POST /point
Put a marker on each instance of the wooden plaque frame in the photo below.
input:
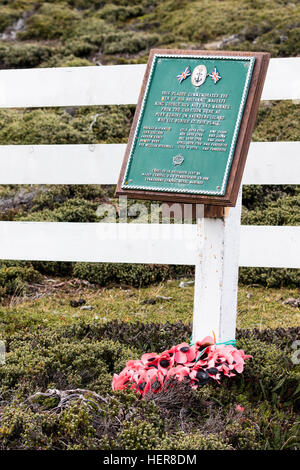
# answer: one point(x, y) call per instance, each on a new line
point(243, 139)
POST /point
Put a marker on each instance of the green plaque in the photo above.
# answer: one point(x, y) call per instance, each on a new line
point(187, 124)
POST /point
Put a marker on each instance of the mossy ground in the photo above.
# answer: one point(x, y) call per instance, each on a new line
point(57, 33)
point(57, 350)
point(52, 345)
point(258, 307)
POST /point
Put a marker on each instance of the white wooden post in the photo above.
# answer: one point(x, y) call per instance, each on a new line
point(216, 275)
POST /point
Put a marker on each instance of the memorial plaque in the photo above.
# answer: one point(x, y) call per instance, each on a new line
point(193, 125)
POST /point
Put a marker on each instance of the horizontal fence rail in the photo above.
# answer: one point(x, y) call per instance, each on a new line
point(101, 163)
point(268, 163)
point(261, 246)
point(114, 84)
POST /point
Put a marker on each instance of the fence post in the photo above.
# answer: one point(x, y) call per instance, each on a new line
point(216, 275)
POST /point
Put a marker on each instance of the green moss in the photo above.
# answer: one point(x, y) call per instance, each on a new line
point(51, 361)
point(282, 41)
point(92, 28)
point(124, 273)
point(278, 428)
point(75, 210)
point(195, 441)
point(277, 121)
point(14, 279)
point(21, 428)
point(270, 373)
point(270, 277)
point(58, 194)
point(99, 30)
point(137, 435)
point(7, 18)
point(129, 42)
point(75, 422)
point(284, 211)
point(70, 61)
point(51, 21)
point(39, 126)
point(87, 37)
point(23, 55)
point(260, 197)
point(250, 25)
point(117, 13)
point(110, 124)
point(79, 356)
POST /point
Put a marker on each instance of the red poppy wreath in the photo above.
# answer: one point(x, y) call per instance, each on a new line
point(200, 363)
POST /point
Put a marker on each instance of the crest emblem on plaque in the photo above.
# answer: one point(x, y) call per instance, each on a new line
point(178, 160)
point(182, 76)
point(215, 76)
point(199, 75)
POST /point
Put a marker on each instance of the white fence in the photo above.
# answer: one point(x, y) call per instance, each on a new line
point(268, 163)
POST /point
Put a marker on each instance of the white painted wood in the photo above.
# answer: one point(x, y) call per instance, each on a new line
point(229, 287)
point(273, 163)
point(70, 86)
point(277, 84)
point(216, 276)
point(113, 84)
point(61, 164)
point(105, 242)
point(266, 246)
point(208, 278)
point(263, 246)
point(101, 163)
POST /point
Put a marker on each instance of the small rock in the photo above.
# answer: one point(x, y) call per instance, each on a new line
point(213, 45)
point(149, 302)
point(86, 307)
point(234, 39)
point(283, 38)
point(71, 110)
point(186, 283)
point(292, 302)
point(77, 303)
point(162, 297)
point(248, 295)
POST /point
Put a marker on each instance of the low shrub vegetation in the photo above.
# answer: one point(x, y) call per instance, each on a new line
point(55, 393)
point(136, 275)
point(14, 279)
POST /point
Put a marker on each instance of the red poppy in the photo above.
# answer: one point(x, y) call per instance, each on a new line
point(122, 380)
point(149, 359)
point(201, 362)
point(240, 408)
point(207, 341)
point(179, 372)
point(165, 361)
point(185, 353)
